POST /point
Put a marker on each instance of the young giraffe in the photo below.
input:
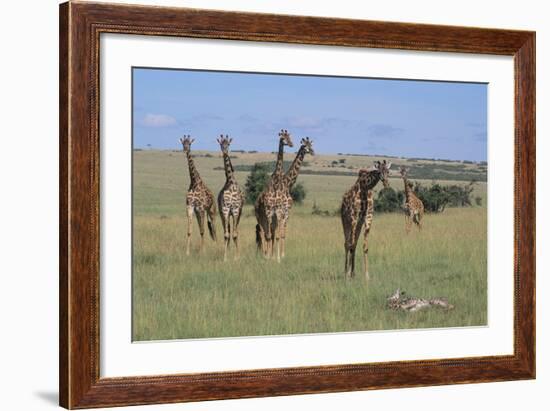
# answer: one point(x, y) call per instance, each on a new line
point(306, 147)
point(230, 200)
point(199, 200)
point(269, 205)
point(358, 206)
point(414, 208)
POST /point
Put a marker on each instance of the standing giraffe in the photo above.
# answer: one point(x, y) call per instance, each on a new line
point(230, 200)
point(358, 206)
point(199, 200)
point(269, 205)
point(414, 209)
point(306, 147)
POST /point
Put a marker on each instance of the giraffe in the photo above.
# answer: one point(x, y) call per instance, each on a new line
point(306, 147)
point(269, 205)
point(414, 209)
point(357, 206)
point(199, 200)
point(230, 200)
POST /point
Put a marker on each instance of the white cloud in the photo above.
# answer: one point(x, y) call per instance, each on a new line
point(158, 120)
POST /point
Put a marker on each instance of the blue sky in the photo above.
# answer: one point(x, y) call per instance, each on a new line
point(341, 115)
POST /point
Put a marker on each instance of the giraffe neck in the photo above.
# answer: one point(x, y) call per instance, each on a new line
point(292, 173)
point(408, 190)
point(193, 173)
point(229, 176)
point(279, 165)
point(369, 181)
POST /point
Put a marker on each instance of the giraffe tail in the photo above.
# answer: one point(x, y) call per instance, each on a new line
point(258, 237)
point(211, 228)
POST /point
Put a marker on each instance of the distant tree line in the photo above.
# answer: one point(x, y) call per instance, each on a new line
point(431, 171)
point(269, 165)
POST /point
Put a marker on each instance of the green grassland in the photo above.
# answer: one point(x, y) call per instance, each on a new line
point(197, 296)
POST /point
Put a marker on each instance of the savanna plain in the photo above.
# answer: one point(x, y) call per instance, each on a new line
point(200, 296)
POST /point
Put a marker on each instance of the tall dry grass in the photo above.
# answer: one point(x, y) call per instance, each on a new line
point(179, 296)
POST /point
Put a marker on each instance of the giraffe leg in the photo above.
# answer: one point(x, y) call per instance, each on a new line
point(277, 230)
point(419, 216)
point(366, 251)
point(226, 236)
point(368, 223)
point(272, 230)
point(260, 240)
point(235, 232)
point(260, 237)
point(201, 216)
point(211, 219)
point(347, 260)
point(190, 211)
point(350, 271)
point(351, 262)
point(350, 247)
point(283, 236)
point(408, 222)
point(268, 238)
point(355, 239)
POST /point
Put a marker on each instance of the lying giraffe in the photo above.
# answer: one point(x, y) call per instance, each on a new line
point(414, 208)
point(230, 200)
point(306, 147)
point(357, 206)
point(199, 200)
point(269, 205)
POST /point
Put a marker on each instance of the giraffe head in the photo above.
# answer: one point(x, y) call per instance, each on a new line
point(186, 142)
point(383, 168)
point(403, 171)
point(284, 137)
point(307, 145)
point(224, 143)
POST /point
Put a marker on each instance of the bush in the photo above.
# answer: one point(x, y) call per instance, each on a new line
point(298, 193)
point(389, 200)
point(459, 196)
point(258, 179)
point(437, 197)
point(434, 198)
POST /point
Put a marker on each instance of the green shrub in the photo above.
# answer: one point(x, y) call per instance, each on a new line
point(435, 197)
point(258, 179)
point(389, 200)
point(298, 193)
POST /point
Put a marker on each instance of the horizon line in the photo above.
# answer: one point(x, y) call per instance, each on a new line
point(239, 151)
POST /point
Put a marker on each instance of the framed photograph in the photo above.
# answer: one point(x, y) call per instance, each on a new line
point(258, 205)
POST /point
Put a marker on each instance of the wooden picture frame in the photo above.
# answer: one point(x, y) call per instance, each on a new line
point(80, 27)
